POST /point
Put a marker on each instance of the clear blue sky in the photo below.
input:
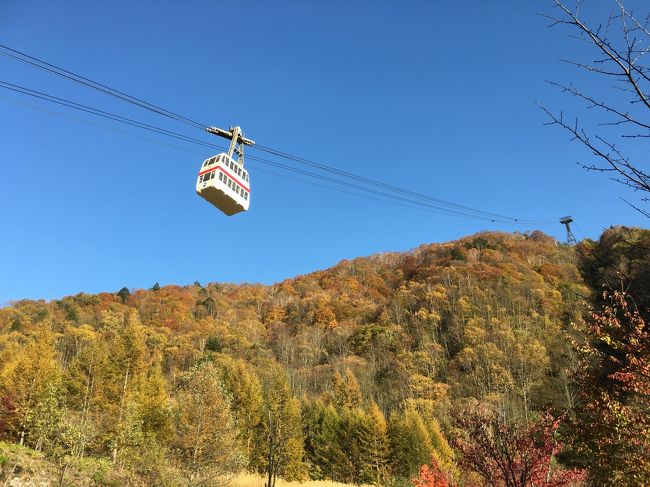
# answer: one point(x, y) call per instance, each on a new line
point(438, 97)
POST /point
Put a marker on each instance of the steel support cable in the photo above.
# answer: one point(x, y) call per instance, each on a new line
point(435, 209)
point(90, 123)
point(256, 165)
point(52, 68)
point(391, 187)
point(332, 188)
point(118, 118)
point(101, 113)
point(31, 60)
point(131, 122)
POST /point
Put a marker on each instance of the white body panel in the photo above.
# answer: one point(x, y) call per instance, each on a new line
point(224, 183)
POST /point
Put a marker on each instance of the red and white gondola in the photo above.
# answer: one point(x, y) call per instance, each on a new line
point(223, 181)
point(225, 184)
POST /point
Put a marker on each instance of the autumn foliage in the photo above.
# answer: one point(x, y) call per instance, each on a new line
point(351, 374)
point(433, 476)
point(613, 425)
point(513, 453)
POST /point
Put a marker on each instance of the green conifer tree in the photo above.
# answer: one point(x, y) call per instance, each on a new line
point(353, 427)
point(346, 391)
point(410, 443)
point(280, 442)
point(375, 446)
point(323, 451)
point(442, 451)
point(205, 444)
point(247, 401)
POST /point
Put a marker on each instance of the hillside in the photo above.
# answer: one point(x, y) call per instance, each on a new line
point(385, 347)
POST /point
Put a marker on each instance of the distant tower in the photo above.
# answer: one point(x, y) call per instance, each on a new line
point(566, 221)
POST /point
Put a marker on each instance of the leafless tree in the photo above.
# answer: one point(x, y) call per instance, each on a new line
point(621, 121)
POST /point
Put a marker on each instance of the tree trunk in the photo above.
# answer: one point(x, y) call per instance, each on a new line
point(119, 421)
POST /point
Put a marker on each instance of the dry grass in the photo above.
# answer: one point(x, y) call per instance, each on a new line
point(251, 480)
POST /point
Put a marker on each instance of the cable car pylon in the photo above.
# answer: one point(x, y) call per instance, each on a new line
point(566, 221)
point(222, 181)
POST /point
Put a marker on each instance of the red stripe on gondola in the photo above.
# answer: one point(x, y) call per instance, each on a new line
point(227, 174)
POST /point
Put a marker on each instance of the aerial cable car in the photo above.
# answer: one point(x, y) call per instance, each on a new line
point(223, 181)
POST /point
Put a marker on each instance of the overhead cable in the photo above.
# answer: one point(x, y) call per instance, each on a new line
point(426, 200)
point(64, 73)
point(285, 167)
point(389, 187)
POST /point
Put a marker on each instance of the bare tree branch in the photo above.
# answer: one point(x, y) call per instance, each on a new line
point(620, 45)
point(625, 116)
point(629, 175)
point(647, 214)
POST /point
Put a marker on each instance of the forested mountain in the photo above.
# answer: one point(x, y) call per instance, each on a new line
point(355, 373)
